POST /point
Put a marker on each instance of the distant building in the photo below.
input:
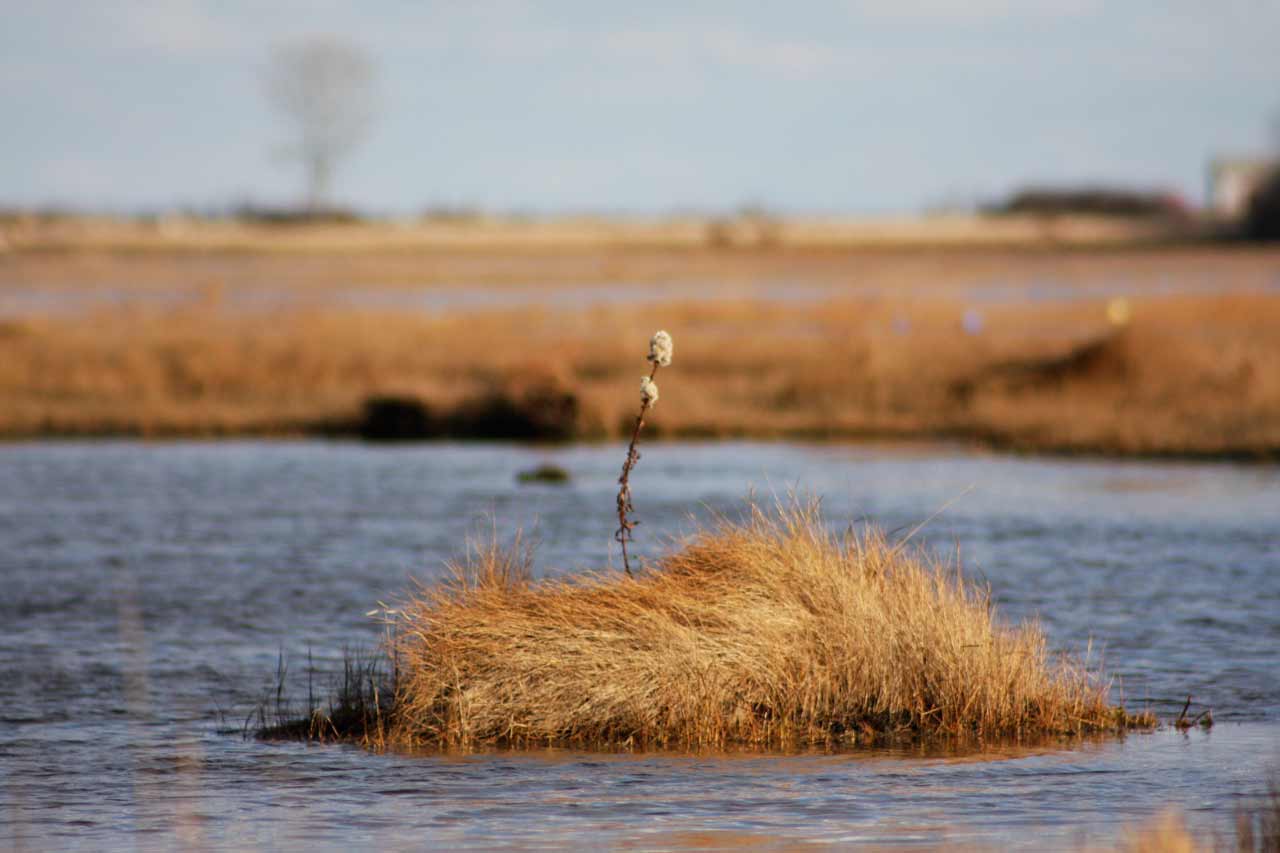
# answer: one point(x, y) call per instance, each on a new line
point(1233, 180)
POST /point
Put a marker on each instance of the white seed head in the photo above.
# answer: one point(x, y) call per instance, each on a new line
point(648, 391)
point(660, 347)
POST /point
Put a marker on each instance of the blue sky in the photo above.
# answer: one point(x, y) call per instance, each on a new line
point(856, 106)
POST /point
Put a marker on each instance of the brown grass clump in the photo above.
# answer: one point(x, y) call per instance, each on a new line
point(767, 633)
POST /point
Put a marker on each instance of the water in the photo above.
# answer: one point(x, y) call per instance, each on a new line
point(148, 590)
point(18, 299)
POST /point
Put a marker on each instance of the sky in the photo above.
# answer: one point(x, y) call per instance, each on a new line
point(846, 107)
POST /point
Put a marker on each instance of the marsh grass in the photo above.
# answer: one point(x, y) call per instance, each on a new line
point(771, 632)
point(878, 351)
point(359, 710)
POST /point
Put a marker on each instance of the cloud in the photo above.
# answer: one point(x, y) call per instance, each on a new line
point(795, 58)
point(975, 10)
point(730, 48)
point(171, 28)
point(75, 177)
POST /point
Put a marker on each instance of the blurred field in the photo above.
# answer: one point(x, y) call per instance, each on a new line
point(461, 232)
point(1011, 347)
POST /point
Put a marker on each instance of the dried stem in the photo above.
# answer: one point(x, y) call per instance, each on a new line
point(626, 525)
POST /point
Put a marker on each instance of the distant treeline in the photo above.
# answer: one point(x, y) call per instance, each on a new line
point(287, 215)
point(1098, 201)
point(1261, 221)
point(250, 212)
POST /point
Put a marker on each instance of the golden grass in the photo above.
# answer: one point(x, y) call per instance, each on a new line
point(770, 632)
point(1193, 374)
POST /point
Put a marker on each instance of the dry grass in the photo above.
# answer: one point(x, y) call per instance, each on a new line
point(767, 633)
point(869, 351)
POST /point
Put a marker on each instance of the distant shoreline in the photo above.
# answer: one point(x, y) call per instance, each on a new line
point(1139, 352)
point(30, 232)
point(960, 443)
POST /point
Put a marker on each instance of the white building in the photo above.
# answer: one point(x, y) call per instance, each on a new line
point(1232, 181)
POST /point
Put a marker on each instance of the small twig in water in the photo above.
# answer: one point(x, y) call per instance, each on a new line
point(1182, 722)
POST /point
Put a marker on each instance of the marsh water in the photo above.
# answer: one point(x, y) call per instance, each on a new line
point(150, 589)
point(18, 299)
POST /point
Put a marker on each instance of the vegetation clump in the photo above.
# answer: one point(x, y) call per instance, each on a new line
point(360, 710)
point(770, 632)
point(547, 472)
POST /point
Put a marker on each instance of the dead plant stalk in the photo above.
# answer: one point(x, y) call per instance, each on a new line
point(660, 350)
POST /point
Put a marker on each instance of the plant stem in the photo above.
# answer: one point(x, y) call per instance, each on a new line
point(625, 525)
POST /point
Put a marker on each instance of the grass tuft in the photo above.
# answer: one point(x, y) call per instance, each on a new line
point(771, 632)
point(358, 712)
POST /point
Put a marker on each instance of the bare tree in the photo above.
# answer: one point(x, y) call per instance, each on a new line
point(324, 87)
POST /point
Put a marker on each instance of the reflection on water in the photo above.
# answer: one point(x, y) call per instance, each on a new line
point(149, 588)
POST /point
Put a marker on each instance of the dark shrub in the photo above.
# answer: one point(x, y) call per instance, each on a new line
point(262, 215)
point(541, 412)
point(1101, 201)
point(397, 419)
